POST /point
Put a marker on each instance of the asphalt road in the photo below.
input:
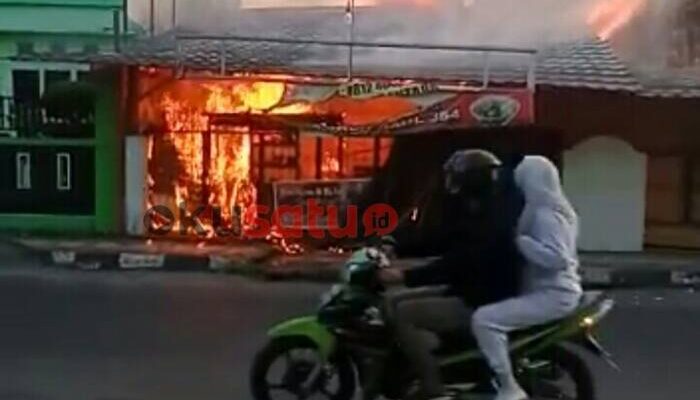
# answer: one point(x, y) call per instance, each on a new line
point(149, 336)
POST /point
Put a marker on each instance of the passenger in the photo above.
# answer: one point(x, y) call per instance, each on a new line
point(546, 237)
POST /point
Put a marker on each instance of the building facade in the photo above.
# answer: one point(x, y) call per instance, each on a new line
point(57, 169)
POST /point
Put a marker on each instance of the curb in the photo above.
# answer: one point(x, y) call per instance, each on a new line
point(275, 267)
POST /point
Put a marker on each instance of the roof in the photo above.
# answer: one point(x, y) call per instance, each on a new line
point(587, 63)
point(677, 83)
point(70, 3)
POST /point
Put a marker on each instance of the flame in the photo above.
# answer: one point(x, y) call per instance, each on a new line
point(229, 185)
point(330, 165)
point(608, 16)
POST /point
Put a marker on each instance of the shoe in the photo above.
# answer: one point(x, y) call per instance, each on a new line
point(511, 392)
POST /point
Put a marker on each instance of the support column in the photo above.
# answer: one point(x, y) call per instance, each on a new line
point(136, 173)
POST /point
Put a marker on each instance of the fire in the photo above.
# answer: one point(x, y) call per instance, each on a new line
point(608, 16)
point(226, 183)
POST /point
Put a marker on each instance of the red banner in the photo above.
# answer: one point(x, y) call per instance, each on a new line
point(462, 110)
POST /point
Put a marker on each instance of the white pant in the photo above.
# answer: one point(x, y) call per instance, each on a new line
point(491, 323)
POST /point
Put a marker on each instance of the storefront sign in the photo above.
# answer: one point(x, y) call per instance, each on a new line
point(366, 90)
point(463, 110)
point(328, 195)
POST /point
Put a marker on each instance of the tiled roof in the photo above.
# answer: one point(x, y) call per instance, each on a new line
point(588, 63)
point(669, 84)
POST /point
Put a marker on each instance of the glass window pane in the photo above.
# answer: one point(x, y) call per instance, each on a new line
point(54, 77)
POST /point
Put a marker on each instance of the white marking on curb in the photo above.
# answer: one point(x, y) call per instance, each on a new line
point(597, 275)
point(139, 261)
point(62, 257)
point(685, 278)
point(89, 266)
point(218, 263)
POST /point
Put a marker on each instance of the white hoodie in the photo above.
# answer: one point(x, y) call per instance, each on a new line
point(547, 229)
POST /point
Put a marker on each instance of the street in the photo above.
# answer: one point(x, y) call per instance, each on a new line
point(145, 336)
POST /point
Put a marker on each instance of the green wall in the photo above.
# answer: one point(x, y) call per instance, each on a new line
point(108, 145)
point(108, 154)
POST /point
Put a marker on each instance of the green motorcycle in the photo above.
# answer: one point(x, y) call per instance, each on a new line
point(347, 345)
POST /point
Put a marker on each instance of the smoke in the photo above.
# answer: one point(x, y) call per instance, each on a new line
point(520, 23)
point(647, 40)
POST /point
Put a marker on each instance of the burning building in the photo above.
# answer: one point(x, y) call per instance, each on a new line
point(286, 106)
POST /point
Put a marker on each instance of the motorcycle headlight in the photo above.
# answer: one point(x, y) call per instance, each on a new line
point(603, 310)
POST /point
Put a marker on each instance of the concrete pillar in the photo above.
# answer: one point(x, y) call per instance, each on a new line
point(136, 185)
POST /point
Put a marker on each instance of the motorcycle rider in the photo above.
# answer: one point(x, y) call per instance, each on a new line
point(546, 236)
point(481, 265)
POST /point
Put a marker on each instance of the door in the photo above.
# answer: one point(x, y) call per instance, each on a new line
point(605, 178)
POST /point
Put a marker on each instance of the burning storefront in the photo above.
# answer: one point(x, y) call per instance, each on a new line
point(236, 145)
point(240, 123)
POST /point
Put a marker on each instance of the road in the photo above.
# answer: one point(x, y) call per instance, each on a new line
point(147, 336)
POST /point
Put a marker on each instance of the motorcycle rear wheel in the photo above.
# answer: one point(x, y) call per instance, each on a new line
point(563, 364)
point(299, 370)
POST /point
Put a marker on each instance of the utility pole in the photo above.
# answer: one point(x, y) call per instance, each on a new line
point(125, 16)
point(350, 15)
point(152, 18)
point(173, 16)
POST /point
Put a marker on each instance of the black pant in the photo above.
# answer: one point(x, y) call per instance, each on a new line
point(418, 315)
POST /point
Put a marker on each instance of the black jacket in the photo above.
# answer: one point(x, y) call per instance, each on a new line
point(481, 262)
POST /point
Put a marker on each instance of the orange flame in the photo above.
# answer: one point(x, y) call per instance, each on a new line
point(229, 182)
point(608, 16)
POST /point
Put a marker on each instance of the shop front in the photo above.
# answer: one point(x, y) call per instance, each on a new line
point(232, 145)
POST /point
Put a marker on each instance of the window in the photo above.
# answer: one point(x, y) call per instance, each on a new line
point(27, 86)
point(23, 168)
point(53, 77)
point(63, 171)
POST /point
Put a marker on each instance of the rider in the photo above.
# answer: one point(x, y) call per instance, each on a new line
point(481, 265)
point(546, 236)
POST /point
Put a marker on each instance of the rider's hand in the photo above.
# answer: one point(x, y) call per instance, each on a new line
point(390, 275)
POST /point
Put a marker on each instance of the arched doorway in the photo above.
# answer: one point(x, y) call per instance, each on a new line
point(605, 178)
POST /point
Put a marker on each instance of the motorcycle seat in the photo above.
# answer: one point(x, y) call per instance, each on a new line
point(453, 341)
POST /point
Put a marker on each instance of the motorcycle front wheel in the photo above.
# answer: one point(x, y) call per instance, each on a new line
point(292, 367)
point(563, 376)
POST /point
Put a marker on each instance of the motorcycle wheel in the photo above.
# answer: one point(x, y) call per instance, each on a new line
point(567, 377)
point(296, 370)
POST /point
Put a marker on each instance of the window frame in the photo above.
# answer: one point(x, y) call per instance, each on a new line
point(23, 181)
point(68, 165)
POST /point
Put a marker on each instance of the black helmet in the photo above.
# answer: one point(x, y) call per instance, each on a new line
point(471, 172)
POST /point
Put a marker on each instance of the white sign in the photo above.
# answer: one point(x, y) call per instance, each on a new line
point(138, 261)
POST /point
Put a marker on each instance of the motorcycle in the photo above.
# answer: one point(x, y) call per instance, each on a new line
point(348, 345)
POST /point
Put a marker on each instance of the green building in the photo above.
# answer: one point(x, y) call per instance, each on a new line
point(57, 172)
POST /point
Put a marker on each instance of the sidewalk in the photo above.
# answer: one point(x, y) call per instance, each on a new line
point(650, 269)
point(136, 253)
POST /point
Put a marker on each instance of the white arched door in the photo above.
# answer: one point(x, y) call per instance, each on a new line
point(605, 178)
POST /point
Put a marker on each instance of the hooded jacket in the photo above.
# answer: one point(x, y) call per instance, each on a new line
point(547, 229)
